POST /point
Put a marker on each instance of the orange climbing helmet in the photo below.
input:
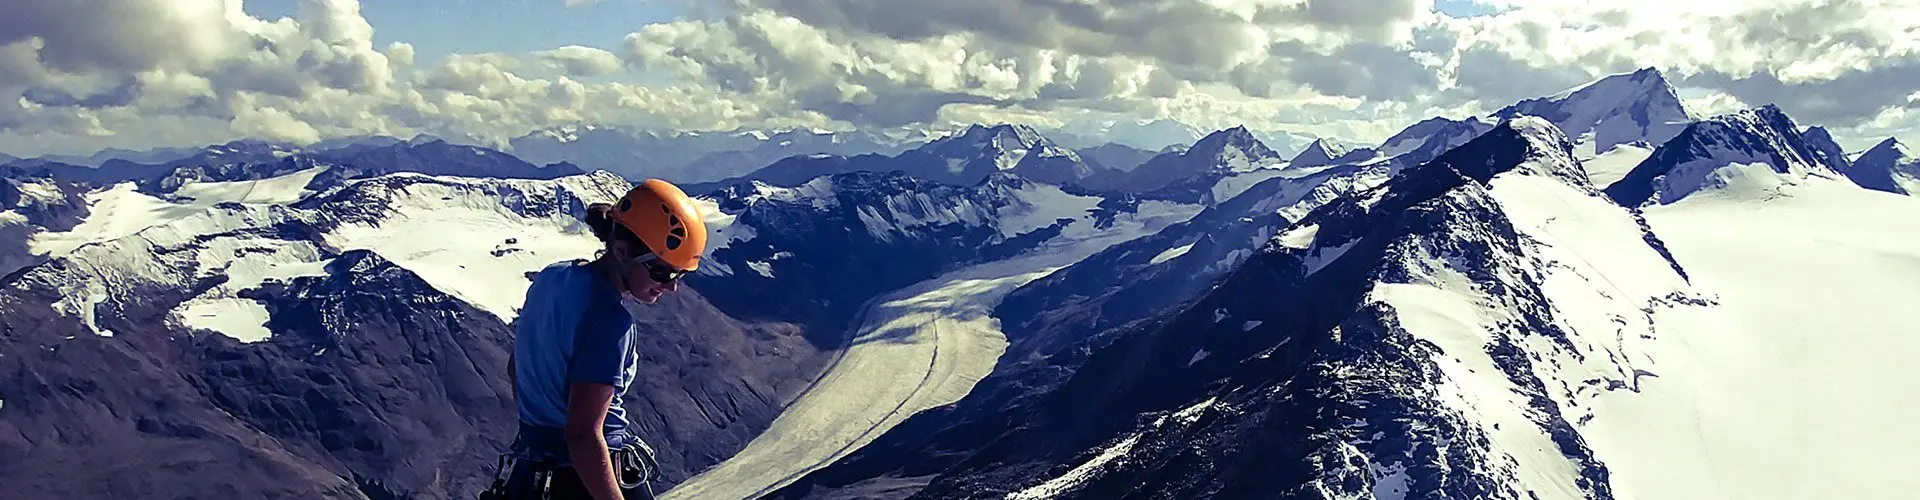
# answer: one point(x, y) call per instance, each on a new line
point(666, 220)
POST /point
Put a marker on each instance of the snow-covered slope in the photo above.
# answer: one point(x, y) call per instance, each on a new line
point(1761, 142)
point(1616, 109)
point(1613, 165)
point(1781, 390)
point(123, 210)
point(466, 236)
point(1888, 166)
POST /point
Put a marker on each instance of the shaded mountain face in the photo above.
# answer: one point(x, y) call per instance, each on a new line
point(275, 345)
point(1618, 109)
point(1112, 156)
point(1428, 139)
point(1825, 149)
point(1309, 370)
point(1760, 142)
point(30, 206)
point(1888, 166)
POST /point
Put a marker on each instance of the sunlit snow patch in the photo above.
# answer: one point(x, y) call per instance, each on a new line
point(1080, 474)
point(465, 238)
point(1170, 254)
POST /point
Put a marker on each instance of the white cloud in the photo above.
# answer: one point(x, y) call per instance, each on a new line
point(577, 60)
point(80, 75)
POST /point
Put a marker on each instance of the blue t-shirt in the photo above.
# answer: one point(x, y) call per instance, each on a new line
point(572, 329)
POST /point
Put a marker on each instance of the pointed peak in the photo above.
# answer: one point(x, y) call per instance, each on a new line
point(1237, 138)
point(1649, 73)
point(1321, 151)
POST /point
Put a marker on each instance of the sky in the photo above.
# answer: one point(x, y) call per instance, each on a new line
point(76, 77)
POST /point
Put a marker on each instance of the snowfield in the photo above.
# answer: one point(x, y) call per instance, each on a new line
point(1801, 385)
point(920, 347)
point(1777, 368)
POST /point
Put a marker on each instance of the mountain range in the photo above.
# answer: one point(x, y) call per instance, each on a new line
point(1596, 294)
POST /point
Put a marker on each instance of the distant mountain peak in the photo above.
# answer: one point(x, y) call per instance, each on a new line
point(1322, 151)
point(1234, 149)
point(1888, 166)
point(1615, 109)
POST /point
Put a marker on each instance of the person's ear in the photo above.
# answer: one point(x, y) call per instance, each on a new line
point(620, 250)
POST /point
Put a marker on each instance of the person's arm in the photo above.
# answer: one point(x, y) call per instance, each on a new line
point(587, 405)
point(594, 368)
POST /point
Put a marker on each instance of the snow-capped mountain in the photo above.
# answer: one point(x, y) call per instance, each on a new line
point(1888, 166)
point(1760, 144)
point(1488, 325)
point(1191, 175)
point(1616, 109)
point(225, 301)
point(980, 151)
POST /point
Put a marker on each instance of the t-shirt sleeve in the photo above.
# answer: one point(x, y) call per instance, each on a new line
point(599, 346)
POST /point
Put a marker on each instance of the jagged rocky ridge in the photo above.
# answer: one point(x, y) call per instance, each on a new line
point(1296, 376)
point(1694, 159)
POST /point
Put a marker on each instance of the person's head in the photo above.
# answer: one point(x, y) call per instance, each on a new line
point(653, 235)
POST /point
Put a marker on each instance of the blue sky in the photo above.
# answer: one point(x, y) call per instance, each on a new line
point(440, 27)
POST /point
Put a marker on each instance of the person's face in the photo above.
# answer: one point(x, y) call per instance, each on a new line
point(648, 278)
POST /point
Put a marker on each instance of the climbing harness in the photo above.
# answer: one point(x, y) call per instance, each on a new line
point(635, 467)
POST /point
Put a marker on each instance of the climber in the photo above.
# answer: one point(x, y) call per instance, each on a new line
point(573, 355)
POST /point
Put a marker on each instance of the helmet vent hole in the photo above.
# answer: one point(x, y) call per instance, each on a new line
point(673, 242)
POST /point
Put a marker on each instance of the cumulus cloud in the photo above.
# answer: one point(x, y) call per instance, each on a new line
point(90, 73)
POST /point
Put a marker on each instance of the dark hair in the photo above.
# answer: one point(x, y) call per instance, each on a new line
point(600, 219)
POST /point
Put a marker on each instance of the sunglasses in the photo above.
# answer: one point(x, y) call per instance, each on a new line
point(658, 271)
